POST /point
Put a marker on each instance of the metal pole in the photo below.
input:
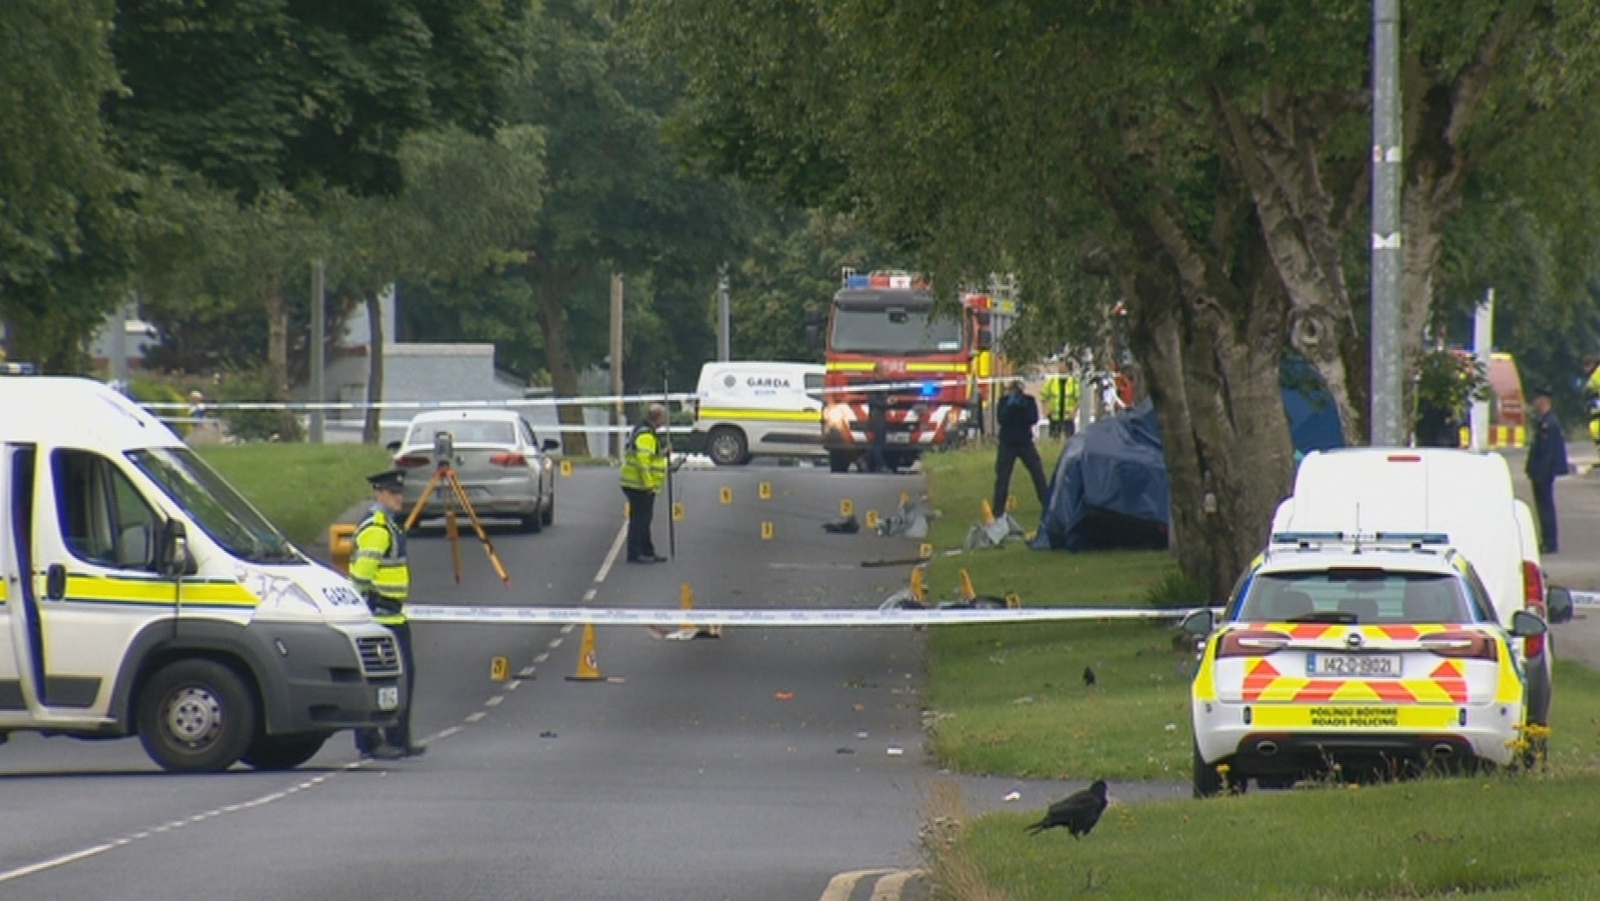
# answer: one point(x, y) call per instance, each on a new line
point(1386, 232)
point(1482, 347)
point(672, 525)
point(119, 343)
point(319, 342)
point(724, 328)
point(616, 363)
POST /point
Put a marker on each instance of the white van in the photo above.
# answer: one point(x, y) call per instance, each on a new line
point(1466, 496)
point(143, 595)
point(745, 409)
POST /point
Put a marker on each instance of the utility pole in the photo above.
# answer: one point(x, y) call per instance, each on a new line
point(1482, 348)
point(1387, 392)
point(616, 364)
point(724, 328)
point(319, 312)
point(119, 343)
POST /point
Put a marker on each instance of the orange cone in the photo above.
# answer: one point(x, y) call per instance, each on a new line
point(988, 513)
point(968, 593)
point(918, 594)
point(588, 666)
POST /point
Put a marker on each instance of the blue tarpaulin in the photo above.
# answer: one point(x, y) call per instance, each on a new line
point(1110, 487)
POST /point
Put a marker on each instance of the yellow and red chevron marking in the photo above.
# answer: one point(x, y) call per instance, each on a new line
point(1316, 631)
point(1447, 684)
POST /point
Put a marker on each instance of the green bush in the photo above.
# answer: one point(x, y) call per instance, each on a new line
point(149, 389)
point(250, 386)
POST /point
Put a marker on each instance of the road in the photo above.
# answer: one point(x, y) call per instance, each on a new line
point(761, 765)
point(1577, 565)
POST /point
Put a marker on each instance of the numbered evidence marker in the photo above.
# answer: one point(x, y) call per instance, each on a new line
point(764, 491)
point(677, 511)
point(847, 507)
point(566, 467)
point(766, 531)
point(925, 550)
point(1011, 503)
point(499, 669)
point(725, 495)
point(872, 519)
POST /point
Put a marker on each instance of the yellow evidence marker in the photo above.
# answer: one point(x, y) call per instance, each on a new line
point(725, 495)
point(847, 507)
point(764, 491)
point(566, 467)
point(872, 519)
point(766, 531)
point(499, 669)
point(925, 550)
point(677, 511)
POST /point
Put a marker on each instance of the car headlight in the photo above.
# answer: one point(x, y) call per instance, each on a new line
point(275, 592)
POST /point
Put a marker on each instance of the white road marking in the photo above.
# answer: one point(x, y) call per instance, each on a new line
point(494, 701)
point(841, 886)
point(891, 886)
point(611, 558)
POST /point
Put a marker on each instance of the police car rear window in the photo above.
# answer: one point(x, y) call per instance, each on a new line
point(1360, 595)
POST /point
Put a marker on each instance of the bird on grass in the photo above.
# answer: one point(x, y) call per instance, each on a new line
point(1078, 811)
point(1088, 676)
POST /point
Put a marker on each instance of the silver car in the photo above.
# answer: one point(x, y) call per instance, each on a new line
point(494, 455)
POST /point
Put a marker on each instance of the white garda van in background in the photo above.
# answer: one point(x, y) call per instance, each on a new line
point(746, 409)
point(143, 595)
point(1463, 495)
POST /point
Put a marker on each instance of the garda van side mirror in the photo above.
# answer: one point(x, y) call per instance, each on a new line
point(1558, 604)
point(551, 444)
point(1527, 625)
point(1200, 622)
point(174, 558)
point(392, 447)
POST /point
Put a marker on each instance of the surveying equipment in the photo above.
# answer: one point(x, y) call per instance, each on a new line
point(444, 473)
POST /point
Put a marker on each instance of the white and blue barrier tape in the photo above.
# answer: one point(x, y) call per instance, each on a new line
point(706, 616)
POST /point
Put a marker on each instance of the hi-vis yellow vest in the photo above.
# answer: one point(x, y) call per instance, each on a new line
point(378, 566)
point(643, 466)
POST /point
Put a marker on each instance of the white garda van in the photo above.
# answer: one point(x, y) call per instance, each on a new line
point(143, 595)
point(746, 409)
point(1463, 495)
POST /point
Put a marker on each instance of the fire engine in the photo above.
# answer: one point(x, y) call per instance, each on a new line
point(884, 334)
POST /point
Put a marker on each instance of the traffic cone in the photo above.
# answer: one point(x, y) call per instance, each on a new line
point(690, 630)
point(988, 513)
point(968, 593)
point(588, 667)
point(917, 592)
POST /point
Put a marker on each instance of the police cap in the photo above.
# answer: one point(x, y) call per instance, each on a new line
point(389, 480)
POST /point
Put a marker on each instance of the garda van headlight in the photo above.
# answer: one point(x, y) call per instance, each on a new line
point(275, 592)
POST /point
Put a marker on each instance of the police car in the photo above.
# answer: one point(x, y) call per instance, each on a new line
point(1376, 654)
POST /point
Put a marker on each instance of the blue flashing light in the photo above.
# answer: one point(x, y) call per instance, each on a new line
point(855, 281)
point(929, 389)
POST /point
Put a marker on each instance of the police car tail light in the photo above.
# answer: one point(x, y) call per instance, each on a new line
point(1251, 643)
point(412, 461)
point(1466, 645)
point(508, 460)
point(1533, 597)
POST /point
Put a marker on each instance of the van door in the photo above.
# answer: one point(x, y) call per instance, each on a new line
point(95, 580)
point(19, 621)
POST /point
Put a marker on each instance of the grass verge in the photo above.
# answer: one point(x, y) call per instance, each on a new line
point(1011, 699)
point(302, 488)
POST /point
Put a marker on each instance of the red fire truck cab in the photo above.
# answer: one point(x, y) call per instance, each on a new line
point(885, 335)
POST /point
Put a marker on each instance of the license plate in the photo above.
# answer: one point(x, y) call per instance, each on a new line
point(1363, 666)
point(388, 697)
point(899, 437)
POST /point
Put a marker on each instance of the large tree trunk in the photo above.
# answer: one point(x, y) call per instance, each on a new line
point(551, 284)
point(278, 354)
point(372, 427)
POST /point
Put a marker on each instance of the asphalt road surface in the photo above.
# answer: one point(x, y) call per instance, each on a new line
point(759, 766)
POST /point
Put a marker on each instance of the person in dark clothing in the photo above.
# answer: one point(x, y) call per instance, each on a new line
point(1017, 414)
point(1547, 460)
point(877, 430)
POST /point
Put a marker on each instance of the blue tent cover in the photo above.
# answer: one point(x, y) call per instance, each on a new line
point(1110, 488)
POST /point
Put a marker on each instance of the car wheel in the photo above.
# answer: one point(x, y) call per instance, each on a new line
point(196, 716)
point(839, 461)
point(548, 515)
point(533, 523)
point(726, 446)
point(1207, 781)
point(283, 752)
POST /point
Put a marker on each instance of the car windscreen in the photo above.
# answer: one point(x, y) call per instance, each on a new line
point(464, 431)
point(1362, 595)
point(893, 330)
point(213, 505)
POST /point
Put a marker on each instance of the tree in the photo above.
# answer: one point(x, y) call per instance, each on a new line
point(1209, 161)
point(63, 232)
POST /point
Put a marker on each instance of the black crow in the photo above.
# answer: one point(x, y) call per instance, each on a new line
point(1078, 811)
point(1088, 676)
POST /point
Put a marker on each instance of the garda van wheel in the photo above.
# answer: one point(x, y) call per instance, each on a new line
point(196, 716)
point(1207, 781)
point(726, 446)
point(282, 752)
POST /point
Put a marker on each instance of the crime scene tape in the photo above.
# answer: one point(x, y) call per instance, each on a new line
point(1586, 598)
point(710, 616)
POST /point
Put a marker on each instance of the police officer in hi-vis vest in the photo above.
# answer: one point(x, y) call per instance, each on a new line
point(644, 471)
point(378, 569)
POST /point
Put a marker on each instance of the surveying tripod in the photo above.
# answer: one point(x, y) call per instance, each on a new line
point(445, 474)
